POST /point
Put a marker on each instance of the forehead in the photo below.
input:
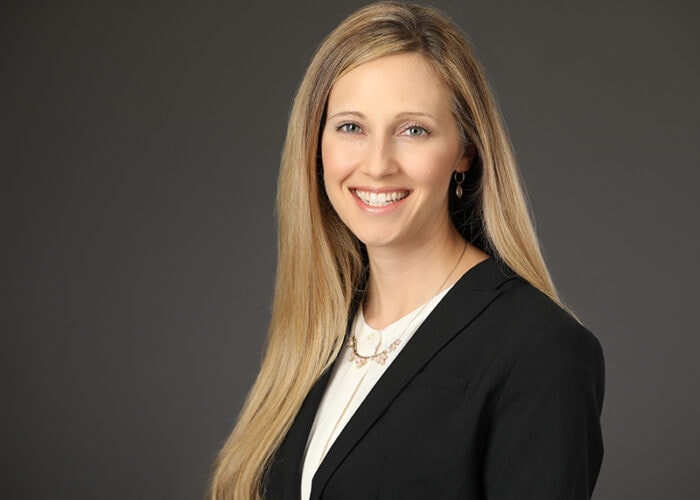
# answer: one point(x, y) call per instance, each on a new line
point(401, 82)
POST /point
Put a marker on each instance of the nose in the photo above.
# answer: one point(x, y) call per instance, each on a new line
point(380, 160)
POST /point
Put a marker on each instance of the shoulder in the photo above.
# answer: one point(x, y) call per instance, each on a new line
point(544, 342)
point(543, 390)
point(516, 304)
point(539, 316)
point(523, 325)
point(518, 326)
point(524, 311)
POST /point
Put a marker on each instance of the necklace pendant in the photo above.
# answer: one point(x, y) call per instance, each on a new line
point(359, 362)
point(380, 358)
point(355, 359)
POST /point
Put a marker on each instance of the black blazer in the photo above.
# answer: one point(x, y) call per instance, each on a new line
point(497, 396)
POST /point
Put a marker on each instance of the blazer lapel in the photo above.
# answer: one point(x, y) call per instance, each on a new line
point(291, 458)
point(469, 296)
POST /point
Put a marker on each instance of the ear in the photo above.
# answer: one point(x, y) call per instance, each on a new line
point(467, 158)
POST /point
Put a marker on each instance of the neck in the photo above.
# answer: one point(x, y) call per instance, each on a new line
point(400, 279)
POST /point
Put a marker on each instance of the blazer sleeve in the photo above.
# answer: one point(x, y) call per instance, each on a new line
point(545, 438)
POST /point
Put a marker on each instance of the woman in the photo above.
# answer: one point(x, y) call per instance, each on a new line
point(417, 347)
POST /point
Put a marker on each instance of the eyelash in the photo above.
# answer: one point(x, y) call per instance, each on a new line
point(341, 127)
point(425, 130)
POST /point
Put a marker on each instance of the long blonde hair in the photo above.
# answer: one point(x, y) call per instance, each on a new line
point(320, 264)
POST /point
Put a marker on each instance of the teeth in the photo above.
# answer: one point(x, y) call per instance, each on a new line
point(380, 199)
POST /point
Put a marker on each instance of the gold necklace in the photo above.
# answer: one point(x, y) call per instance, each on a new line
point(360, 360)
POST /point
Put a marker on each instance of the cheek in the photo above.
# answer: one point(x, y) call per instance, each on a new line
point(336, 164)
point(430, 167)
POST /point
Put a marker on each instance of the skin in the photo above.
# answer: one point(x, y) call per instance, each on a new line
point(391, 135)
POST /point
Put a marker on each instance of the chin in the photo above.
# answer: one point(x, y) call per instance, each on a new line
point(377, 241)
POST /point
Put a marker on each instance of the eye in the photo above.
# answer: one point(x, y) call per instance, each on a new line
point(415, 131)
point(349, 128)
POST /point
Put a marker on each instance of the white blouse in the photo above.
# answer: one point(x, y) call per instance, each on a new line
point(350, 384)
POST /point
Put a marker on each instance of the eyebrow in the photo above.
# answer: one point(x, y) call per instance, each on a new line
point(404, 114)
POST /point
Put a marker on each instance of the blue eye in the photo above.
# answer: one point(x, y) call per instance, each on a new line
point(350, 128)
point(415, 131)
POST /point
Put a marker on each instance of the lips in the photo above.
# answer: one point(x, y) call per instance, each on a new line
point(383, 199)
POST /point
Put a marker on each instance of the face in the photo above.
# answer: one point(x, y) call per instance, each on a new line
point(389, 147)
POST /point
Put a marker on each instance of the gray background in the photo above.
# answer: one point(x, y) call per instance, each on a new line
point(139, 144)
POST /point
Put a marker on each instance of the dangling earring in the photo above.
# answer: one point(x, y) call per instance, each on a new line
point(459, 179)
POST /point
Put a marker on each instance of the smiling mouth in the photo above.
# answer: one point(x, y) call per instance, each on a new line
point(377, 200)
